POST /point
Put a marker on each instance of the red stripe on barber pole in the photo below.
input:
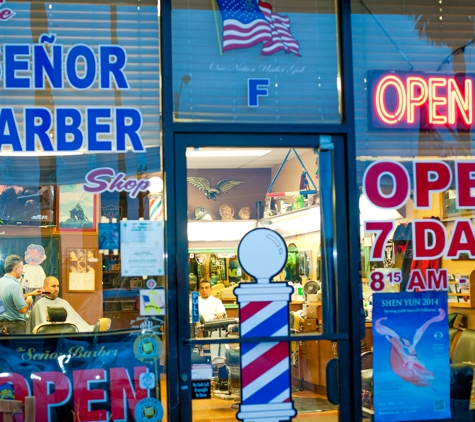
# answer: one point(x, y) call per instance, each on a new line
point(251, 308)
point(156, 208)
point(265, 362)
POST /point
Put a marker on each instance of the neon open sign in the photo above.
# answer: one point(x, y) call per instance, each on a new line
point(403, 100)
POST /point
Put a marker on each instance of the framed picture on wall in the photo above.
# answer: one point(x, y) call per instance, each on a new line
point(77, 210)
point(449, 207)
point(81, 266)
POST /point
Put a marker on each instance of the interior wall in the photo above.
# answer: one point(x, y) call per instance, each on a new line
point(289, 177)
point(289, 181)
point(254, 188)
point(87, 304)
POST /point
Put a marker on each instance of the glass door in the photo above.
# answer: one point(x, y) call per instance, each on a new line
point(263, 283)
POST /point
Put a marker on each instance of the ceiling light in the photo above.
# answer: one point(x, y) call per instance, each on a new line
point(213, 231)
point(303, 221)
point(227, 153)
point(369, 212)
point(156, 184)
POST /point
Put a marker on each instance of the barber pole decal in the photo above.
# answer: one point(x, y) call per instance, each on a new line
point(265, 366)
point(155, 207)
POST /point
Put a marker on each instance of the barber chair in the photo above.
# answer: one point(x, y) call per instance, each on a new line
point(219, 325)
point(56, 317)
point(228, 385)
point(102, 324)
point(367, 384)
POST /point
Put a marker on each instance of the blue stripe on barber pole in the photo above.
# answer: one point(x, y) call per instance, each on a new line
point(250, 352)
point(270, 311)
point(268, 327)
point(271, 389)
point(156, 208)
point(282, 397)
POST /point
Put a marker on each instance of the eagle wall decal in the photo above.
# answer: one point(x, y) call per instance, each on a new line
point(223, 186)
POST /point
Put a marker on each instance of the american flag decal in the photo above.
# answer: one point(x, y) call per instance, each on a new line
point(250, 22)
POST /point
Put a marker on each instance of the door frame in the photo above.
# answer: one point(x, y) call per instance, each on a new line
point(348, 330)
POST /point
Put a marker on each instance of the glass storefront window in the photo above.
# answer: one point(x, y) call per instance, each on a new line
point(250, 61)
point(81, 210)
point(232, 192)
point(414, 128)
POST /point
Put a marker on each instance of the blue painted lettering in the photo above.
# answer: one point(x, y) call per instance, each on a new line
point(16, 59)
point(96, 126)
point(128, 123)
point(77, 53)
point(45, 66)
point(38, 124)
point(255, 90)
point(112, 59)
point(68, 134)
point(9, 130)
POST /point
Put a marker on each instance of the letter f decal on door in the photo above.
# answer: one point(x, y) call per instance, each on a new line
point(256, 88)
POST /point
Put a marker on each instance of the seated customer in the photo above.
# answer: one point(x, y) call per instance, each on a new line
point(210, 307)
point(38, 314)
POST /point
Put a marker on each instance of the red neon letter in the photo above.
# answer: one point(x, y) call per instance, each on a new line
point(123, 390)
point(48, 397)
point(429, 176)
point(436, 101)
point(382, 229)
point(385, 115)
point(415, 85)
point(465, 184)
point(425, 247)
point(372, 181)
point(464, 105)
point(83, 396)
point(462, 239)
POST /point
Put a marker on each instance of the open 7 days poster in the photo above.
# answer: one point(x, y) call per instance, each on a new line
point(411, 356)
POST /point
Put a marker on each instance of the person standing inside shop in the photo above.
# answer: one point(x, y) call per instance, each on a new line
point(210, 307)
point(15, 304)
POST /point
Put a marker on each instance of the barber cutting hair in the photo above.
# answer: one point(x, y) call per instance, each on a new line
point(15, 304)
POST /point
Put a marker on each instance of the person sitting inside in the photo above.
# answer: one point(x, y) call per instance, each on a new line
point(209, 306)
point(50, 298)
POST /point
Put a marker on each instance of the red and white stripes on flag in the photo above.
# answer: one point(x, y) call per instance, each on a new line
point(244, 27)
point(239, 35)
point(281, 37)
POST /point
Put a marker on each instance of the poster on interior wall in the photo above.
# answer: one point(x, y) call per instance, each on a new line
point(141, 246)
point(81, 270)
point(411, 356)
point(76, 210)
point(72, 378)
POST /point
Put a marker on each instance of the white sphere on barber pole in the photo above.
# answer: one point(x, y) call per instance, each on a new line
point(262, 253)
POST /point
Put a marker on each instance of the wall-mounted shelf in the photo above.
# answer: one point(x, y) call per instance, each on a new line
point(292, 223)
point(462, 295)
point(219, 230)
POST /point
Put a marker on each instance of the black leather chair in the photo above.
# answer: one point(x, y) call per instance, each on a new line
point(56, 317)
point(367, 383)
point(461, 375)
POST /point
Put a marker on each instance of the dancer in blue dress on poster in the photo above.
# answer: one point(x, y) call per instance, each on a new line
point(403, 356)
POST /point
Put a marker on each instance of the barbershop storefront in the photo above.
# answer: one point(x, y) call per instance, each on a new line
point(237, 210)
